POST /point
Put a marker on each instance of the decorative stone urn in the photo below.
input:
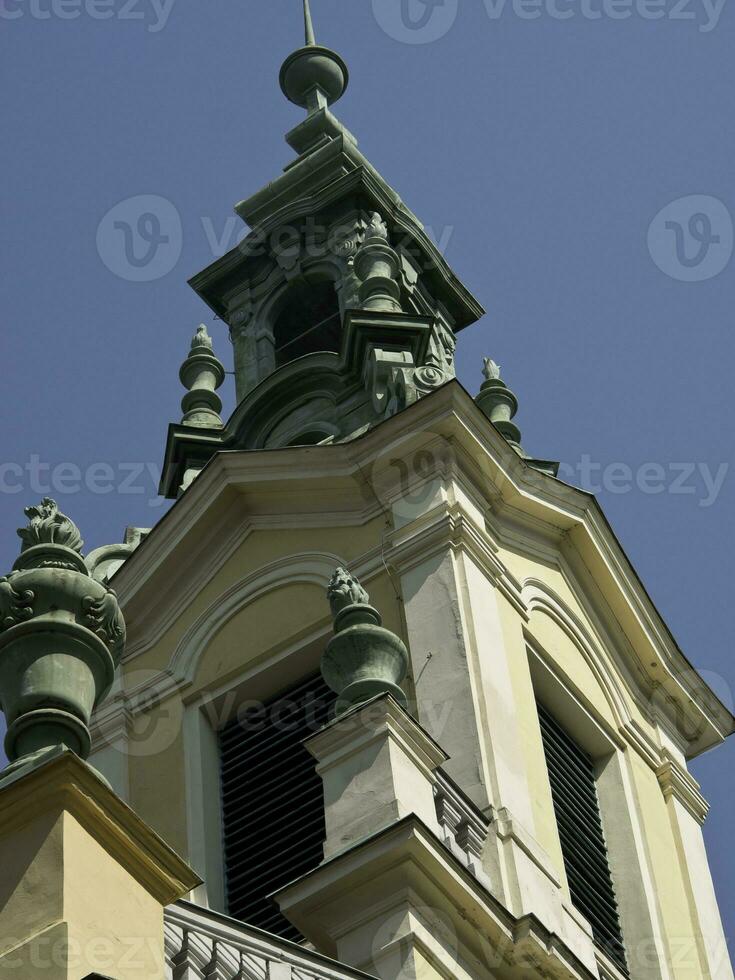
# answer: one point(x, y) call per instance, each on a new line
point(377, 266)
point(61, 636)
point(202, 374)
point(499, 403)
point(363, 659)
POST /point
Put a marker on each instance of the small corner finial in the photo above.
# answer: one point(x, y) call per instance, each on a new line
point(363, 659)
point(490, 370)
point(201, 338)
point(498, 403)
point(308, 25)
point(202, 374)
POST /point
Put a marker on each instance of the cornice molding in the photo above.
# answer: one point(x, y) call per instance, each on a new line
point(410, 850)
point(524, 507)
point(677, 783)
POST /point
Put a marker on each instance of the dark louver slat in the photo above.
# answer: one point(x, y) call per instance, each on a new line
point(574, 792)
point(273, 804)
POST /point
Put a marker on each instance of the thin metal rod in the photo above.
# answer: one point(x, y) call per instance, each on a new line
point(308, 24)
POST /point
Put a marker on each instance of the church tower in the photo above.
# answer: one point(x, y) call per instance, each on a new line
point(390, 688)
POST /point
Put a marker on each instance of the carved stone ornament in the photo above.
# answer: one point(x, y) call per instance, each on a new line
point(202, 374)
point(389, 379)
point(377, 228)
point(47, 525)
point(428, 378)
point(15, 607)
point(498, 403)
point(490, 370)
point(363, 659)
point(344, 590)
point(61, 636)
point(378, 267)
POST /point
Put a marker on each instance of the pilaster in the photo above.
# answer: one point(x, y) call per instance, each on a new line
point(465, 663)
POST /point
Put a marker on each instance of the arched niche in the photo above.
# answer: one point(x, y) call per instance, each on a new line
point(307, 319)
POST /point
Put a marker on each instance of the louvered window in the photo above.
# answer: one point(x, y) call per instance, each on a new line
point(273, 804)
point(573, 790)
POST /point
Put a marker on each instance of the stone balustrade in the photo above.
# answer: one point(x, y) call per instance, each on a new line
point(203, 945)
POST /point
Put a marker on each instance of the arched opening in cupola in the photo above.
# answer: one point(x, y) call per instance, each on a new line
point(308, 321)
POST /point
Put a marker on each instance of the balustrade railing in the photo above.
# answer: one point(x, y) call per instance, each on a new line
point(204, 945)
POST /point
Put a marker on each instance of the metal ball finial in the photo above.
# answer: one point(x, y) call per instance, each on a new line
point(313, 77)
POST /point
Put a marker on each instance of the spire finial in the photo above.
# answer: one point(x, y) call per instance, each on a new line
point(499, 403)
point(202, 374)
point(313, 77)
point(308, 25)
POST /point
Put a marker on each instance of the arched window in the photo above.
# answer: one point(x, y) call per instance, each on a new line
point(309, 321)
point(311, 438)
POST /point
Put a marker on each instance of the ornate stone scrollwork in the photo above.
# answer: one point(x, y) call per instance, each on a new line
point(390, 381)
point(15, 607)
point(428, 377)
point(102, 615)
point(439, 366)
point(442, 347)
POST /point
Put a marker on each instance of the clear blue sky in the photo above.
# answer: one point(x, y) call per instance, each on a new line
point(538, 138)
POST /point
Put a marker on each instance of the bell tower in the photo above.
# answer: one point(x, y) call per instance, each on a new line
point(390, 686)
point(341, 309)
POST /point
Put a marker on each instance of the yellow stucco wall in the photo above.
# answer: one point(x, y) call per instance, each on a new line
point(68, 908)
point(278, 619)
point(257, 631)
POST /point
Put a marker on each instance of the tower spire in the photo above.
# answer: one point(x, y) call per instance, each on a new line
point(313, 77)
point(308, 25)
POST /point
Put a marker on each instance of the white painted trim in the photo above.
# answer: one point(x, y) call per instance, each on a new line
point(521, 502)
point(540, 597)
point(204, 808)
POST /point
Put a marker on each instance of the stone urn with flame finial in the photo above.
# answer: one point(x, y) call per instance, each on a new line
point(61, 637)
point(363, 659)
